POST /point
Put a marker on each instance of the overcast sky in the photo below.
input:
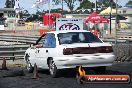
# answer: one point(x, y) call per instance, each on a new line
point(27, 4)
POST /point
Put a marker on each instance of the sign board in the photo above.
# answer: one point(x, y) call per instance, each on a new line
point(1, 27)
point(69, 24)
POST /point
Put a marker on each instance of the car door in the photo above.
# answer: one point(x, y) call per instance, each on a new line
point(42, 53)
point(32, 55)
point(39, 59)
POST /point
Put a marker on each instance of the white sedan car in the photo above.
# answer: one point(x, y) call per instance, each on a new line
point(68, 49)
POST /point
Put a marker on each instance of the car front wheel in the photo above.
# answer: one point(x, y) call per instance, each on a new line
point(52, 68)
point(29, 67)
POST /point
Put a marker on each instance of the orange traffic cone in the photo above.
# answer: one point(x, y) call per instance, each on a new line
point(4, 64)
point(35, 72)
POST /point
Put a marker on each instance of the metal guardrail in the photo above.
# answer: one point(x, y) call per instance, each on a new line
point(124, 35)
point(17, 51)
point(13, 51)
point(23, 39)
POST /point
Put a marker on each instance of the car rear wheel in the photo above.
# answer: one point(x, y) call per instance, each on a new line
point(52, 68)
point(29, 66)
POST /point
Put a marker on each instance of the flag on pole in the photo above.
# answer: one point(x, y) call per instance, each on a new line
point(39, 2)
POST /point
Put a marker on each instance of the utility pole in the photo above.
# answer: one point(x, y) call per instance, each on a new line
point(95, 5)
point(62, 7)
point(49, 14)
point(116, 24)
point(111, 4)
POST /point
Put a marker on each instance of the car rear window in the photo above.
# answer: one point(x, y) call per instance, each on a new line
point(77, 37)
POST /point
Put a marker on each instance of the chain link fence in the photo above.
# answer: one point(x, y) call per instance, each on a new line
point(123, 52)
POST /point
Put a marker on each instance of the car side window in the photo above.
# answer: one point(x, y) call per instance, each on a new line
point(49, 41)
point(39, 42)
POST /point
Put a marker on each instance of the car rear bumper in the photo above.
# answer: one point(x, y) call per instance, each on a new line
point(85, 61)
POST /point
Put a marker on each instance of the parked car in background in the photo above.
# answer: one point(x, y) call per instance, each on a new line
point(21, 22)
point(68, 49)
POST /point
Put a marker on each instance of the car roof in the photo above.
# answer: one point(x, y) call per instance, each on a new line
point(65, 31)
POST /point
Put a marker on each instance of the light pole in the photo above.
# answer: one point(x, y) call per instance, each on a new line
point(111, 4)
point(116, 25)
point(95, 5)
point(62, 7)
point(49, 14)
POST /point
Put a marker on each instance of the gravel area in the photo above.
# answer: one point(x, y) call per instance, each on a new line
point(15, 63)
point(66, 80)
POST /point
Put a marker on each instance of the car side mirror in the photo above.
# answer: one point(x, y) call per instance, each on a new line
point(32, 46)
point(38, 46)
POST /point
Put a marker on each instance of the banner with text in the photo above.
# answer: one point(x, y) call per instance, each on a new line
point(69, 24)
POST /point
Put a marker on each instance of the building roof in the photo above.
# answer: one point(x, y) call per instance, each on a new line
point(7, 9)
point(124, 8)
point(129, 6)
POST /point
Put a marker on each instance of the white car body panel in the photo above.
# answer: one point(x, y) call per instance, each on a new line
point(40, 56)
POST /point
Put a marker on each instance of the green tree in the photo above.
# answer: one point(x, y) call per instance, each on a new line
point(86, 4)
point(10, 3)
point(106, 3)
point(24, 13)
point(70, 3)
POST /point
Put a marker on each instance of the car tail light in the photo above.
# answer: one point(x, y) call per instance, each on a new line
point(105, 49)
point(109, 49)
point(87, 50)
point(67, 51)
